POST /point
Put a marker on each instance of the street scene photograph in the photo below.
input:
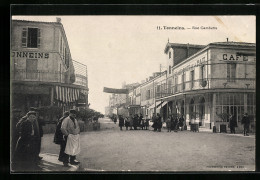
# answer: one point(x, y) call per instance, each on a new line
point(102, 94)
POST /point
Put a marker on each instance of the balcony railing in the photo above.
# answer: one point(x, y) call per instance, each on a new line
point(38, 75)
point(46, 76)
point(213, 83)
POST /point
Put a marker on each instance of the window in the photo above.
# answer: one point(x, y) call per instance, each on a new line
point(183, 80)
point(148, 94)
point(202, 72)
point(176, 84)
point(67, 58)
point(170, 69)
point(170, 55)
point(192, 78)
point(231, 72)
point(31, 37)
point(61, 44)
point(158, 89)
point(31, 68)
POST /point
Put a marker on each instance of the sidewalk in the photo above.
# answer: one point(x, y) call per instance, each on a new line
point(50, 162)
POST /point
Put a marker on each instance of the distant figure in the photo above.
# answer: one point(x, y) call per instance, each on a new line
point(246, 122)
point(131, 122)
point(154, 119)
point(176, 124)
point(232, 124)
point(127, 122)
point(121, 122)
point(135, 123)
point(146, 122)
point(181, 121)
point(168, 124)
point(115, 119)
point(142, 123)
point(159, 122)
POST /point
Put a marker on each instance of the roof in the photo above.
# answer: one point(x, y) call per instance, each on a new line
point(234, 44)
point(168, 45)
point(27, 21)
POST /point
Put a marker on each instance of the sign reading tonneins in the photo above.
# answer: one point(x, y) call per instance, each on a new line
point(30, 55)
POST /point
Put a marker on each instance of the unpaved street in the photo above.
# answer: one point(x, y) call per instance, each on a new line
point(144, 150)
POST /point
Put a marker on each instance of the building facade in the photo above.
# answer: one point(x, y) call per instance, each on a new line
point(213, 83)
point(42, 70)
point(205, 84)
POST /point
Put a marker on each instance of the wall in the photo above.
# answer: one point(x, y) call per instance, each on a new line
point(49, 63)
point(243, 69)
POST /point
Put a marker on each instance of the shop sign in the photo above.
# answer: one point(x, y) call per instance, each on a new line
point(193, 65)
point(30, 55)
point(236, 57)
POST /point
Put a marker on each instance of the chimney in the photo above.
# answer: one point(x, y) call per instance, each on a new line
point(58, 19)
point(227, 39)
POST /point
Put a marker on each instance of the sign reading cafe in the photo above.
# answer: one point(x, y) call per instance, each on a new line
point(30, 55)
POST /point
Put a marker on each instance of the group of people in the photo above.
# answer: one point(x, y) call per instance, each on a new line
point(133, 122)
point(27, 132)
point(233, 124)
point(175, 123)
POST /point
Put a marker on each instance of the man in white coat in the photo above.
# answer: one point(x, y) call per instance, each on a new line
point(70, 126)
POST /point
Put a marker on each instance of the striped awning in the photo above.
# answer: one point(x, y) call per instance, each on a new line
point(66, 94)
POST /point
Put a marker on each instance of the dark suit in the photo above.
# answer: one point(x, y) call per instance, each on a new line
point(26, 148)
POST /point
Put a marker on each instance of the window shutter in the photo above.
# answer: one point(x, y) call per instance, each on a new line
point(228, 71)
point(24, 37)
point(233, 71)
point(39, 38)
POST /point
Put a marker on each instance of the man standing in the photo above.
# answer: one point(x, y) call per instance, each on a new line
point(70, 126)
point(232, 124)
point(58, 138)
point(39, 122)
point(121, 122)
point(154, 119)
point(25, 155)
point(246, 123)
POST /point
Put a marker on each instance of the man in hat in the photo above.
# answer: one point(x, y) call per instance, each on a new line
point(25, 156)
point(70, 126)
point(40, 122)
point(246, 123)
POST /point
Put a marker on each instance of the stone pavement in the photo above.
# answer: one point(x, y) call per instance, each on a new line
point(50, 162)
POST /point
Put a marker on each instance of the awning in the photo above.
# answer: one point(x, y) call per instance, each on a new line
point(66, 94)
point(152, 106)
point(161, 105)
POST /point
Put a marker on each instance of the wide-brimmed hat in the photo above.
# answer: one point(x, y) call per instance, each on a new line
point(73, 111)
point(66, 113)
point(30, 113)
point(33, 109)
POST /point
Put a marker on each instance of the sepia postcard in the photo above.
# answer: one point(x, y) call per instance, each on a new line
point(132, 93)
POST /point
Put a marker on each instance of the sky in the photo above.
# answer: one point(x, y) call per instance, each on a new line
point(129, 49)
